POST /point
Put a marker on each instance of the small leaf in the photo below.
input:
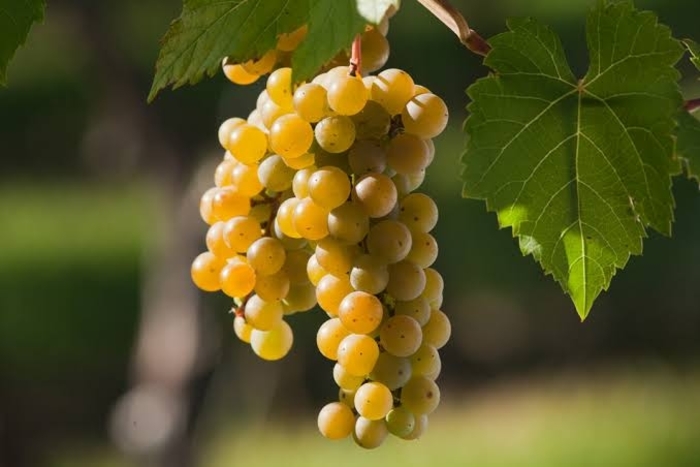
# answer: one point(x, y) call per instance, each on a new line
point(694, 50)
point(688, 144)
point(578, 168)
point(16, 19)
point(209, 30)
point(332, 27)
point(373, 11)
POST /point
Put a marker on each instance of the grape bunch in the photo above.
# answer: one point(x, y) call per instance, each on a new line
point(315, 203)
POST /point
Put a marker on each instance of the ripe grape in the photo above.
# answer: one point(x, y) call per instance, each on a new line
point(420, 395)
point(266, 255)
point(329, 187)
point(336, 421)
point(273, 344)
point(205, 271)
point(437, 330)
point(360, 312)
point(392, 88)
point(376, 193)
point(247, 143)
point(425, 115)
point(348, 222)
point(400, 422)
point(401, 335)
point(237, 279)
point(335, 134)
point(279, 87)
point(262, 314)
point(392, 371)
point(345, 380)
point(406, 280)
point(370, 434)
point(358, 353)
point(373, 400)
point(291, 136)
point(328, 337)
point(347, 95)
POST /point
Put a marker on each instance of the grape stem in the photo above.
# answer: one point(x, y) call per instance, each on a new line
point(356, 56)
point(454, 20)
point(692, 105)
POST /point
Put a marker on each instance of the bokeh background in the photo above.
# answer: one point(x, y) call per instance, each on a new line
point(110, 358)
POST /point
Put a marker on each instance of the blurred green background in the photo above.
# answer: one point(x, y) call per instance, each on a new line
point(109, 357)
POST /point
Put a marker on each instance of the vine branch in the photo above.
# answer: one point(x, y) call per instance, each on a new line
point(356, 57)
point(454, 20)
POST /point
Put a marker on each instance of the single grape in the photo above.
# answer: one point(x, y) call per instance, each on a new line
point(291, 136)
point(433, 287)
point(300, 298)
point(314, 271)
point(215, 241)
point(376, 193)
point(408, 154)
point(373, 122)
point(426, 362)
point(360, 312)
point(223, 173)
point(366, 156)
point(242, 329)
point(401, 335)
point(205, 271)
point(262, 314)
point(310, 102)
point(285, 217)
point(300, 183)
point(240, 232)
point(274, 174)
point(228, 202)
point(345, 380)
point(237, 279)
point(245, 178)
point(266, 255)
point(348, 223)
point(330, 291)
point(310, 220)
point(301, 162)
point(279, 87)
point(370, 434)
point(369, 274)
point(358, 353)
point(273, 287)
point(237, 74)
point(389, 240)
point(226, 128)
point(335, 134)
point(425, 116)
point(437, 330)
point(335, 256)
point(424, 249)
point(373, 400)
point(418, 309)
point(392, 371)
point(406, 280)
point(336, 421)
point(419, 429)
point(270, 112)
point(392, 88)
point(273, 344)
point(375, 50)
point(329, 187)
point(329, 336)
point(419, 212)
point(347, 95)
point(247, 143)
point(206, 206)
point(400, 422)
point(420, 395)
point(262, 65)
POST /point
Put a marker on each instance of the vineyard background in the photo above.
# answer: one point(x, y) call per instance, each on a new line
point(98, 320)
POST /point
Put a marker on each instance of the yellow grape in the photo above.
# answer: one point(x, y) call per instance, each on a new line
point(335, 134)
point(406, 280)
point(389, 240)
point(437, 330)
point(237, 279)
point(223, 175)
point(425, 116)
point(291, 136)
point(375, 50)
point(421, 425)
point(310, 103)
point(347, 95)
point(419, 212)
point(301, 162)
point(391, 371)
point(408, 154)
point(335, 256)
point(376, 193)
point(240, 232)
point(373, 122)
point(279, 87)
point(328, 337)
point(345, 380)
point(370, 434)
point(367, 156)
point(270, 112)
point(400, 422)
point(310, 220)
point(358, 353)
point(285, 217)
point(336, 421)
point(348, 222)
point(369, 274)
point(433, 287)
point(245, 179)
point(424, 249)
point(418, 309)
point(426, 362)
point(392, 88)
point(360, 312)
point(420, 395)
point(247, 143)
point(273, 344)
point(237, 74)
point(228, 203)
point(300, 183)
point(329, 187)
point(314, 270)
point(401, 335)
point(373, 400)
point(242, 329)
point(295, 266)
point(205, 206)
point(266, 255)
point(262, 314)
point(205, 271)
point(226, 128)
point(216, 243)
point(275, 174)
point(301, 297)
point(330, 291)
point(273, 287)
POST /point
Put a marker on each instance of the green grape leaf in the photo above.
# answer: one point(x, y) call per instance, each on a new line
point(332, 27)
point(694, 50)
point(688, 144)
point(374, 10)
point(16, 19)
point(579, 168)
point(209, 30)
